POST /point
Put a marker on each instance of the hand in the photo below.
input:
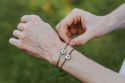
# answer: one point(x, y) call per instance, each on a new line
point(82, 23)
point(36, 37)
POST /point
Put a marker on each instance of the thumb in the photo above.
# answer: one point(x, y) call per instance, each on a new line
point(80, 40)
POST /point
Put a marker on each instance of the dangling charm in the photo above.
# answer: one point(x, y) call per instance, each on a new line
point(63, 51)
point(67, 56)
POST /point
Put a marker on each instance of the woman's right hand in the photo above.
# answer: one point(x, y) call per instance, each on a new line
point(84, 24)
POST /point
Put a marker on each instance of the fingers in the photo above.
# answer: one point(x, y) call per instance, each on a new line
point(68, 25)
point(18, 34)
point(15, 42)
point(25, 18)
point(80, 40)
point(66, 38)
point(21, 26)
point(28, 18)
point(62, 29)
point(63, 33)
point(35, 18)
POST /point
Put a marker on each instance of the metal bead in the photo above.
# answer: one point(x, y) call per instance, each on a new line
point(67, 56)
point(63, 51)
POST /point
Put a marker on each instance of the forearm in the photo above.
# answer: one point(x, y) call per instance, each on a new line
point(116, 19)
point(88, 71)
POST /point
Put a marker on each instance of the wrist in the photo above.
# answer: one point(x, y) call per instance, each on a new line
point(110, 22)
point(104, 24)
point(56, 53)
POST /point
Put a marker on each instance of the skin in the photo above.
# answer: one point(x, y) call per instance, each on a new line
point(33, 36)
point(38, 39)
point(91, 26)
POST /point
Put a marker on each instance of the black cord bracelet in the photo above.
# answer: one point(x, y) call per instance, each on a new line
point(67, 57)
point(64, 52)
point(60, 68)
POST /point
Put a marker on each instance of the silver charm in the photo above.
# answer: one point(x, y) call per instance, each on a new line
point(67, 56)
point(63, 51)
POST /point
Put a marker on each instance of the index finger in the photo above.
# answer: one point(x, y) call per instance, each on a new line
point(63, 32)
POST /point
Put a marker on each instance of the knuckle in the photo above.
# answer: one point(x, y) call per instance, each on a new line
point(14, 32)
point(19, 25)
point(59, 27)
point(25, 16)
point(75, 9)
point(35, 16)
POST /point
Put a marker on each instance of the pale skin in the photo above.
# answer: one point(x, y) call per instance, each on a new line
point(91, 26)
point(37, 38)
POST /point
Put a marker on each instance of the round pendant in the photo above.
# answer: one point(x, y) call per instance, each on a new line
point(67, 56)
point(63, 51)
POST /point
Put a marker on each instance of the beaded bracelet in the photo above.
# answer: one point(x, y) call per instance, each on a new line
point(67, 57)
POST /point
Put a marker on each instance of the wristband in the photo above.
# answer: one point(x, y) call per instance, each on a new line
point(67, 57)
point(62, 52)
point(59, 70)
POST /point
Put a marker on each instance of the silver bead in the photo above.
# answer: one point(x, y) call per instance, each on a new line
point(63, 51)
point(67, 56)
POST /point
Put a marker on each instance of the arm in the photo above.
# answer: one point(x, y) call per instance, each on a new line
point(116, 19)
point(89, 26)
point(37, 38)
point(87, 70)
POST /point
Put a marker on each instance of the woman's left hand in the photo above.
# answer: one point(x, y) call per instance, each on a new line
point(36, 37)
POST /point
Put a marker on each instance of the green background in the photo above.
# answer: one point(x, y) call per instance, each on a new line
point(17, 67)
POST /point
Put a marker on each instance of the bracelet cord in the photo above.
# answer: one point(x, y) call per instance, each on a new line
point(59, 72)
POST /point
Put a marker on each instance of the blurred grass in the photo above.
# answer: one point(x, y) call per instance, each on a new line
point(17, 67)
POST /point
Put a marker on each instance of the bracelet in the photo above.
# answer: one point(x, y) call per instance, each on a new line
point(67, 57)
point(62, 52)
